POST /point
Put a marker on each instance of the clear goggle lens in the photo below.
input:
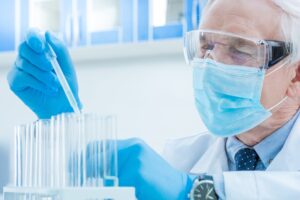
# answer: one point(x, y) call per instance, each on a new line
point(225, 48)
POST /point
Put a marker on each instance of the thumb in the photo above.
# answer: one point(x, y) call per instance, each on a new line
point(57, 45)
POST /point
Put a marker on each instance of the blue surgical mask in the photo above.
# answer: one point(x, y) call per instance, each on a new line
point(228, 97)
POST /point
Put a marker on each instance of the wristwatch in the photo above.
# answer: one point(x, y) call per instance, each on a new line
point(203, 188)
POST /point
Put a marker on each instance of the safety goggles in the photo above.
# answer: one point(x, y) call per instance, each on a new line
point(233, 49)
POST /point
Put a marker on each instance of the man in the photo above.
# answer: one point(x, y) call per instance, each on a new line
point(246, 63)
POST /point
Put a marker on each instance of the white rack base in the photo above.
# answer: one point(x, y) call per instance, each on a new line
point(74, 193)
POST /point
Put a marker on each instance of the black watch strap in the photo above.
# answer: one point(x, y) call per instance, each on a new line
point(205, 177)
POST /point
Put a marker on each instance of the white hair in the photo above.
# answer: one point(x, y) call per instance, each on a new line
point(290, 23)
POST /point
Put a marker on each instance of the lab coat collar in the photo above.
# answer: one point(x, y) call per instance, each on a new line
point(288, 158)
point(214, 159)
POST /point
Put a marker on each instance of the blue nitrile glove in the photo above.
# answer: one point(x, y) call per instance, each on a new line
point(141, 167)
point(33, 79)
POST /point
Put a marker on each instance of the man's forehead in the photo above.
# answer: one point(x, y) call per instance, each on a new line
point(255, 18)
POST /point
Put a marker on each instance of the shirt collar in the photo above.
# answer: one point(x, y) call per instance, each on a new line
point(268, 148)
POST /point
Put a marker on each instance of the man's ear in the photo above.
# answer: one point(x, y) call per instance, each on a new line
point(297, 70)
point(294, 88)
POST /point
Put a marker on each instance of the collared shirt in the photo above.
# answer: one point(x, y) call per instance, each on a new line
point(267, 149)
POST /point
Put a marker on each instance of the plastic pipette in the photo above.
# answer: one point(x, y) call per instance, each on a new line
point(62, 80)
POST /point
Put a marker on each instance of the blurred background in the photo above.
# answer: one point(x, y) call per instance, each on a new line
point(129, 61)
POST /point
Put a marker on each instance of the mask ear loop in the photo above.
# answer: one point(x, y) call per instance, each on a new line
point(278, 68)
point(278, 104)
point(285, 98)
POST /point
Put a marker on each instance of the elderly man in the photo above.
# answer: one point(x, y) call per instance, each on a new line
point(245, 59)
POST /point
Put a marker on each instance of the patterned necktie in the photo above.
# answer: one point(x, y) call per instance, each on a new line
point(246, 159)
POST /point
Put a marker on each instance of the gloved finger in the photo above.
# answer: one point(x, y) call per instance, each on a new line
point(35, 40)
point(62, 53)
point(19, 80)
point(127, 178)
point(128, 149)
point(124, 151)
point(129, 173)
point(48, 78)
point(39, 60)
point(135, 144)
point(125, 143)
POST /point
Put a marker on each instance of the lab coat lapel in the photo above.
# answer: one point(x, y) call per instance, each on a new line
point(214, 160)
point(288, 158)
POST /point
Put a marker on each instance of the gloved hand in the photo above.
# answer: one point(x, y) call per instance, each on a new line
point(141, 167)
point(33, 79)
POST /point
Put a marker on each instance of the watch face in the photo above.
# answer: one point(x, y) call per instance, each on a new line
point(205, 191)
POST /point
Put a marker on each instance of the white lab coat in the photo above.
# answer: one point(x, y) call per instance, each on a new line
point(205, 153)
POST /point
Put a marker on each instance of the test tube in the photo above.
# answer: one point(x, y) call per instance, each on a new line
point(100, 137)
point(27, 156)
point(46, 160)
point(19, 155)
point(39, 136)
point(72, 152)
point(110, 152)
point(63, 149)
point(36, 151)
point(58, 150)
point(83, 149)
point(52, 155)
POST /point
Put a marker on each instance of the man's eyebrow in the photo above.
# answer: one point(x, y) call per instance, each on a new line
point(241, 42)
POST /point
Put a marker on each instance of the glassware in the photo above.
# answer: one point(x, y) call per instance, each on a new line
point(68, 151)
